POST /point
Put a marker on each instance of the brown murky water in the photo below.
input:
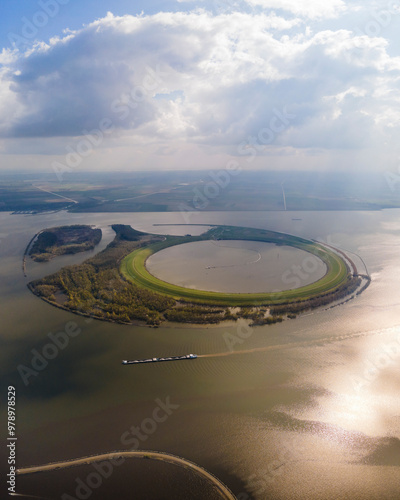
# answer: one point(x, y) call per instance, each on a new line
point(308, 409)
point(236, 266)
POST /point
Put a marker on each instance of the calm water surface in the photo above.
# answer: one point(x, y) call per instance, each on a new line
point(236, 266)
point(307, 409)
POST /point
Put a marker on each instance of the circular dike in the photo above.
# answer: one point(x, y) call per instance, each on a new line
point(134, 268)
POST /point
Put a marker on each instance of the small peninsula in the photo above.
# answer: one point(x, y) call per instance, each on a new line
point(64, 240)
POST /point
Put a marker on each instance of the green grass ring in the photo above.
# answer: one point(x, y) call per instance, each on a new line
point(133, 268)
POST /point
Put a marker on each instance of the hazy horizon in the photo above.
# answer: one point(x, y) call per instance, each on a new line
point(192, 85)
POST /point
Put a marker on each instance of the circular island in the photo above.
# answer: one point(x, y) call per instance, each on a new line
point(336, 273)
point(280, 275)
point(236, 266)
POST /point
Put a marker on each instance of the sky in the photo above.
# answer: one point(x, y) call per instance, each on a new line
point(130, 85)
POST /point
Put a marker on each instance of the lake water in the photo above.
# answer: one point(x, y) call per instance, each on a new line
point(306, 409)
point(236, 266)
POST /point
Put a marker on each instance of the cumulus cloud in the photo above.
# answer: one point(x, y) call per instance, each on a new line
point(213, 81)
point(312, 9)
point(70, 84)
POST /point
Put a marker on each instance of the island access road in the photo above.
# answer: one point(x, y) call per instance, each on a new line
point(223, 490)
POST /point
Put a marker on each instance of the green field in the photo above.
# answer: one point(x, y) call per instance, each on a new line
point(186, 191)
point(133, 268)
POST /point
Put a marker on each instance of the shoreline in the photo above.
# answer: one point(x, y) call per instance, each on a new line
point(223, 323)
point(259, 308)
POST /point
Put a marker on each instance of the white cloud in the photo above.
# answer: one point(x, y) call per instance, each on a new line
point(203, 82)
point(312, 9)
point(70, 84)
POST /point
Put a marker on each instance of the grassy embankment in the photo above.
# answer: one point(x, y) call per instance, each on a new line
point(97, 288)
point(133, 268)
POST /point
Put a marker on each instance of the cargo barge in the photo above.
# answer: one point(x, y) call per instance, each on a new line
point(156, 360)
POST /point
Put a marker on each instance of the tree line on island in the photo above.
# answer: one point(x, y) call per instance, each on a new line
point(64, 240)
point(96, 288)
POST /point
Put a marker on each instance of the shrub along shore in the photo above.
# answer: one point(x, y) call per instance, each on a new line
point(115, 285)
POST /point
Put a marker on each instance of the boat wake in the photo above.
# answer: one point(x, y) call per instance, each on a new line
point(289, 345)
